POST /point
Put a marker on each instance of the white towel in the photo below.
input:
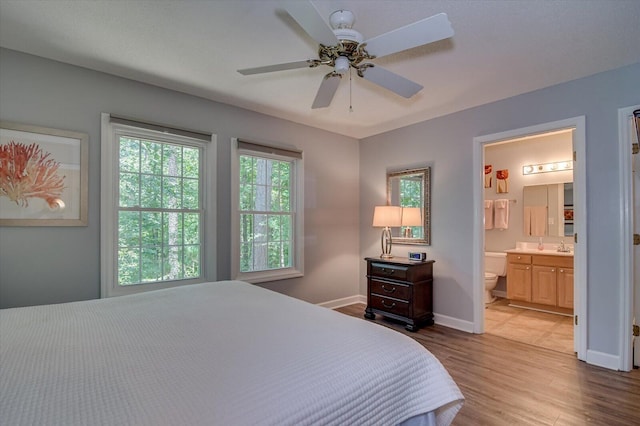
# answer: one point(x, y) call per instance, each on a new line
point(488, 214)
point(501, 214)
point(527, 220)
point(535, 221)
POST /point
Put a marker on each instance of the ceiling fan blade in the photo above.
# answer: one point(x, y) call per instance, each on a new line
point(307, 16)
point(391, 81)
point(425, 31)
point(326, 91)
point(276, 67)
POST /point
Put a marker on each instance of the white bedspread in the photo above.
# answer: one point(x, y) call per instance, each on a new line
point(223, 353)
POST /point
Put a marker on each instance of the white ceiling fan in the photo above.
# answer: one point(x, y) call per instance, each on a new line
point(342, 47)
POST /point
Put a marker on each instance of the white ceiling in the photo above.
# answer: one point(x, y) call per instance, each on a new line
point(500, 49)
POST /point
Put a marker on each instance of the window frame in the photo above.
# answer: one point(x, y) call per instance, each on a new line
point(111, 131)
point(297, 195)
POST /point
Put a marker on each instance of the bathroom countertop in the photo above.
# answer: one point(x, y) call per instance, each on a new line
point(548, 252)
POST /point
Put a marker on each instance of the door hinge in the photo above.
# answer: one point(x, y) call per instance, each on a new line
point(636, 239)
point(576, 319)
point(636, 330)
point(635, 148)
point(574, 156)
point(575, 238)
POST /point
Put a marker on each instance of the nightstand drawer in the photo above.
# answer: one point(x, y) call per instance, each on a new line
point(392, 306)
point(386, 288)
point(385, 270)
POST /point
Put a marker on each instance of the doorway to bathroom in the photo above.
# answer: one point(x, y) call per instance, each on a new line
point(529, 169)
point(538, 190)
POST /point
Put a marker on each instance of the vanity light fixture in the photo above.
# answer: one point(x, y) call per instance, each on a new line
point(386, 217)
point(558, 166)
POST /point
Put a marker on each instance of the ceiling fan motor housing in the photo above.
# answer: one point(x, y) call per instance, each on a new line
point(342, 19)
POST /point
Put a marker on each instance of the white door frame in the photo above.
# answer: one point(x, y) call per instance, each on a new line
point(625, 137)
point(580, 208)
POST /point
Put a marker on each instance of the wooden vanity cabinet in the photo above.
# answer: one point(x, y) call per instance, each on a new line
point(541, 280)
point(544, 285)
point(565, 288)
point(519, 277)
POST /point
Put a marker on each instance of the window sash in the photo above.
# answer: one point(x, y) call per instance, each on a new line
point(293, 253)
point(196, 247)
point(164, 260)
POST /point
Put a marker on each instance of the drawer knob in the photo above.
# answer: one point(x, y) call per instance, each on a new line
point(388, 271)
point(387, 290)
point(393, 304)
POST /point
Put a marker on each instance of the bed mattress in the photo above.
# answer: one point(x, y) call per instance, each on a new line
point(220, 353)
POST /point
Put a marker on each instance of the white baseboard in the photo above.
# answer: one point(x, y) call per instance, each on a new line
point(439, 319)
point(345, 301)
point(612, 362)
point(452, 322)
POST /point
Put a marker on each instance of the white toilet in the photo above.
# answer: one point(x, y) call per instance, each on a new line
point(495, 265)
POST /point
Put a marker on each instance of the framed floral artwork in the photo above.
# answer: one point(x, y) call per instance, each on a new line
point(43, 176)
point(502, 181)
point(487, 175)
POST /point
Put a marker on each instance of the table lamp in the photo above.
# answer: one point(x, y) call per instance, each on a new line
point(386, 217)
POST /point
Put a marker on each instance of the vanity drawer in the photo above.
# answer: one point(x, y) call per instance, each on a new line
point(385, 270)
point(390, 305)
point(386, 288)
point(519, 258)
point(550, 260)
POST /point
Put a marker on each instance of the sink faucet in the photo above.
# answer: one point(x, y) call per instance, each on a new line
point(562, 248)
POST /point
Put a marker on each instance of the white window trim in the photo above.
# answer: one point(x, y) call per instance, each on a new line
point(108, 212)
point(297, 270)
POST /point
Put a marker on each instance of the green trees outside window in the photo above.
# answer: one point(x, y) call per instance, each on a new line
point(266, 213)
point(159, 211)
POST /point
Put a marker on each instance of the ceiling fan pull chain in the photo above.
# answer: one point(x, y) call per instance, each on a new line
point(350, 103)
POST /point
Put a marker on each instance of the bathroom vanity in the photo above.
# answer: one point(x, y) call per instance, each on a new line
point(402, 289)
point(540, 280)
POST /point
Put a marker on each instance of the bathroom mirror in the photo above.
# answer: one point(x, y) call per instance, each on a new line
point(411, 188)
point(548, 210)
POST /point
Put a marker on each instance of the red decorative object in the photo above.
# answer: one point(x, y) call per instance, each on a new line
point(502, 174)
point(28, 172)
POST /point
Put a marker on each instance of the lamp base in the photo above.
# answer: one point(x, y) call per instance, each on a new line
point(386, 243)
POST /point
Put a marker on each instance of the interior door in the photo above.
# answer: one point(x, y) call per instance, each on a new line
point(635, 182)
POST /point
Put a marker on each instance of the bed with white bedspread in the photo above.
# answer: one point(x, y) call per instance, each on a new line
point(222, 353)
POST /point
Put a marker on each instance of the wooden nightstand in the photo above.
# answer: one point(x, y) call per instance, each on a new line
point(401, 289)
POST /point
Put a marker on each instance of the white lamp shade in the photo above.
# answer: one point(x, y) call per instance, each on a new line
point(411, 216)
point(387, 216)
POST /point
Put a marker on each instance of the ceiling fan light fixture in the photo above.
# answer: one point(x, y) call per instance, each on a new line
point(342, 65)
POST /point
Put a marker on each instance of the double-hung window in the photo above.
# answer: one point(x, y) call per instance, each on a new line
point(267, 212)
point(153, 207)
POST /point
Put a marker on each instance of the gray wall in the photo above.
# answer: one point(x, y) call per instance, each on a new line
point(40, 265)
point(446, 144)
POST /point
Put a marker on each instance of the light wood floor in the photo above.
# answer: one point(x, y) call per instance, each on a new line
point(536, 328)
point(511, 383)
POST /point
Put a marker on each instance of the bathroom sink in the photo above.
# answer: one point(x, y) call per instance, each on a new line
point(547, 248)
